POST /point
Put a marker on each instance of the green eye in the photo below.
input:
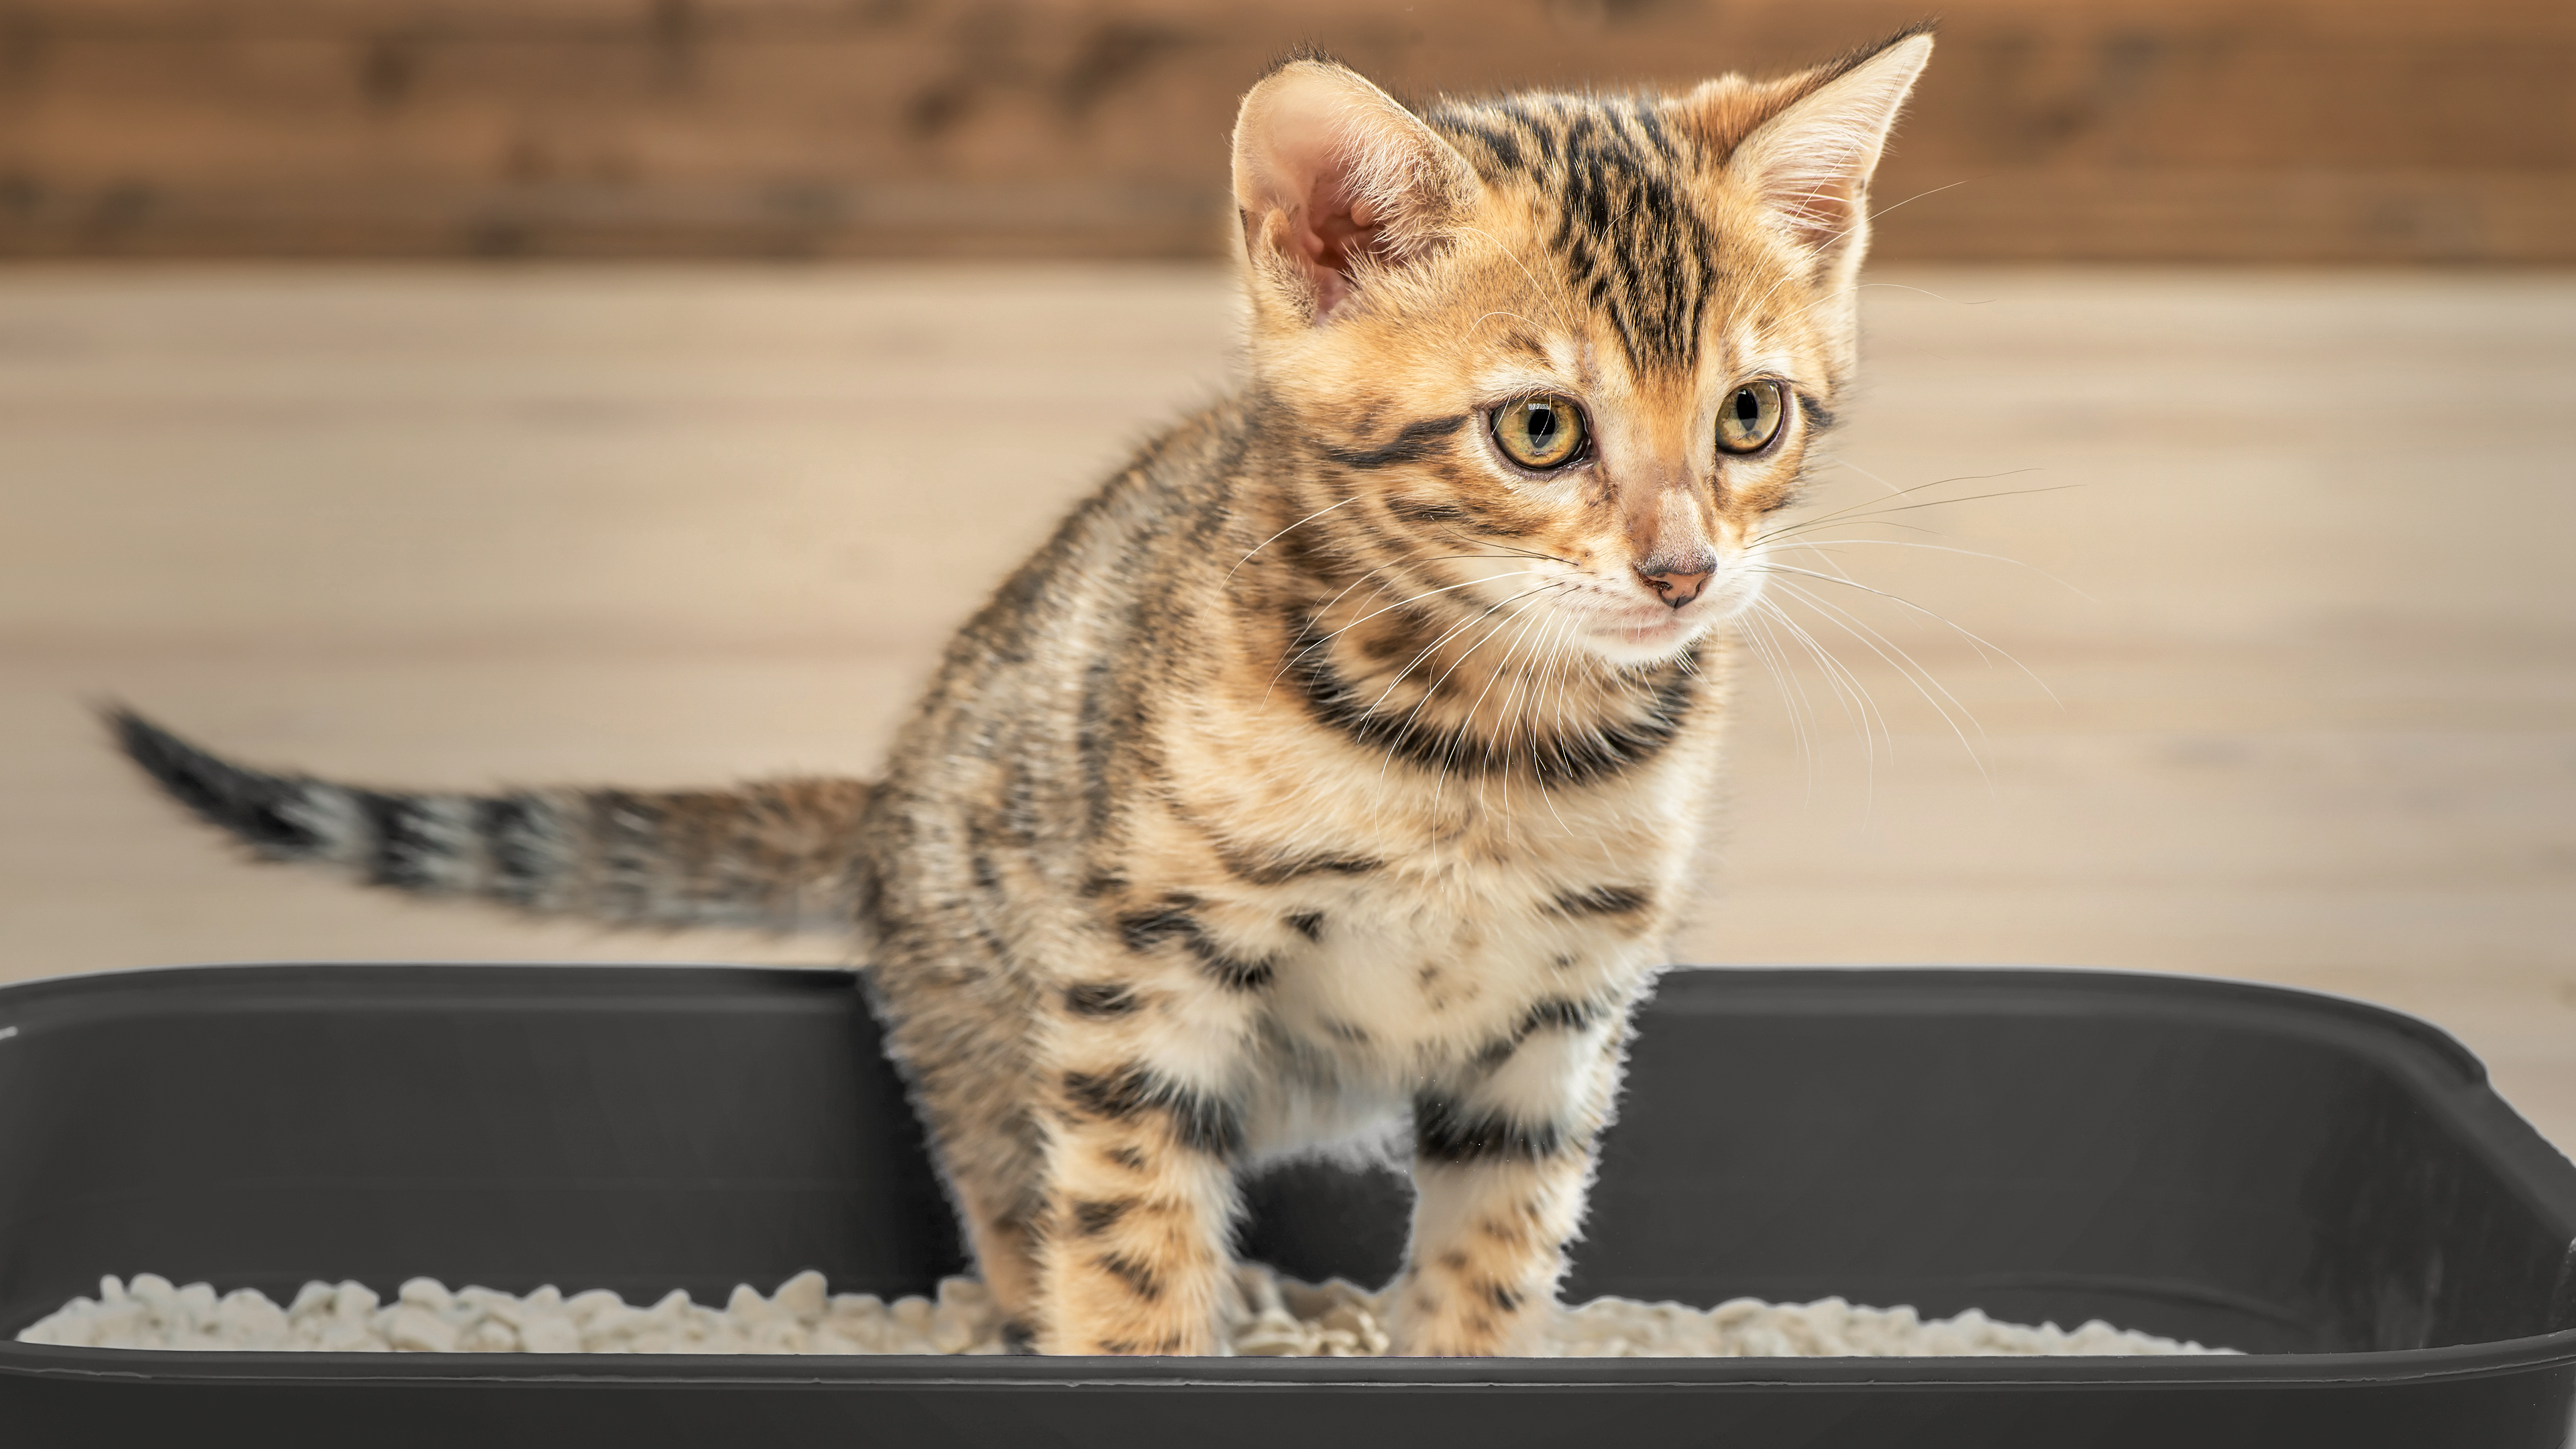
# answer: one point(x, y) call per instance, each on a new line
point(1540, 432)
point(1750, 417)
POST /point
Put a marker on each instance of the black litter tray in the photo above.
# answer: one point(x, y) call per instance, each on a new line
point(2330, 1187)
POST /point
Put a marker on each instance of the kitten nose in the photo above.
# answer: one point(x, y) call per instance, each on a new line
point(1677, 589)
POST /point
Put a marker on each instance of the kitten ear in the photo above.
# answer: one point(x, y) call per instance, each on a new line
point(1333, 177)
point(1810, 160)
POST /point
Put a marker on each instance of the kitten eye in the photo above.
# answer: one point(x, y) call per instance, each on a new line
point(1749, 419)
point(1540, 432)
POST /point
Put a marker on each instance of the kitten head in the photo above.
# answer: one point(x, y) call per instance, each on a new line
point(1563, 352)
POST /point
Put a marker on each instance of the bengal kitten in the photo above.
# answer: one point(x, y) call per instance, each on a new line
point(1345, 755)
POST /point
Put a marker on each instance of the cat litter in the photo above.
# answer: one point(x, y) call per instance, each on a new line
point(1275, 1317)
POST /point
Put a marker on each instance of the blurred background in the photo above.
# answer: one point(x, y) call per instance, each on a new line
point(2129, 130)
point(461, 392)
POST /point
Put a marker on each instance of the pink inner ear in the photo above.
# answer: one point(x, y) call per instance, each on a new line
point(1820, 207)
point(1331, 232)
point(1308, 177)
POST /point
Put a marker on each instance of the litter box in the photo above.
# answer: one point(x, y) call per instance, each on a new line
point(2329, 1187)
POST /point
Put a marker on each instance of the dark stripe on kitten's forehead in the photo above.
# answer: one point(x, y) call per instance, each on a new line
point(1633, 242)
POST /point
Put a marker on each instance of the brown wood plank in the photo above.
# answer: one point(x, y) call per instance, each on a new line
point(2274, 130)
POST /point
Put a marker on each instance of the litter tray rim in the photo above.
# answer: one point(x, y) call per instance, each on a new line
point(2128, 1371)
point(2424, 1052)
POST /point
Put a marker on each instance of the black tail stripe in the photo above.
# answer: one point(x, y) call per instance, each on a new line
point(248, 803)
point(400, 849)
point(513, 828)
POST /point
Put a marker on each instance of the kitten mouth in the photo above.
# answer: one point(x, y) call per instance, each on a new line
point(1655, 632)
point(1630, 636)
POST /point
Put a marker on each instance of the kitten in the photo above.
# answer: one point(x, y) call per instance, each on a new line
point(1344, 757)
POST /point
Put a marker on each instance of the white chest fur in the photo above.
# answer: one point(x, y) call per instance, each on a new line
point(1409, 979)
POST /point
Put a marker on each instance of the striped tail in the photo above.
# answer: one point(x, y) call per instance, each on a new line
point(776, 855)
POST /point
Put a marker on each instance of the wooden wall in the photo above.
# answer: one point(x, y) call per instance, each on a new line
point(2234, 130)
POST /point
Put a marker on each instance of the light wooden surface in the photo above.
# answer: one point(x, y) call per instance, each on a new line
point(2309, 711)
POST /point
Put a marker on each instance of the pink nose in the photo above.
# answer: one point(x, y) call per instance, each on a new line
point(1677, 589)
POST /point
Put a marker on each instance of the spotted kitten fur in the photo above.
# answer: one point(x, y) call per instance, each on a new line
point(1343, 758)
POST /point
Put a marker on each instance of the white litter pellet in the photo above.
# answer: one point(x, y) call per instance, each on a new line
point(1274, 1317)
point(419, 1330)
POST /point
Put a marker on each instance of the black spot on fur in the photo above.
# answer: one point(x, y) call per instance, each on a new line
point(1281, 870)
point(1445, 1131)
point(1309, 924)
point(1416, 512)
point(1199, 1121)
point(1098, 998)
point(1496, 525)
point(1128, 1158)
point(1143, 930)
point(1385, 647)
point(1139, 1278)
point(1094, 1218)
point(1559, 1014)
point(1236, 973)
point(1601, 901)
point(1414, 442)
point(1497, 142)
point(1115, 1095)
point(1500, 1296)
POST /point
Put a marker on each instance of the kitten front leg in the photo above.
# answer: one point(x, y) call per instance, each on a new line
point(1140, 1182)
point(1503, 1157)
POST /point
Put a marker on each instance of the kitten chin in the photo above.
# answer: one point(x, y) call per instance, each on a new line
point(1658, 641)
